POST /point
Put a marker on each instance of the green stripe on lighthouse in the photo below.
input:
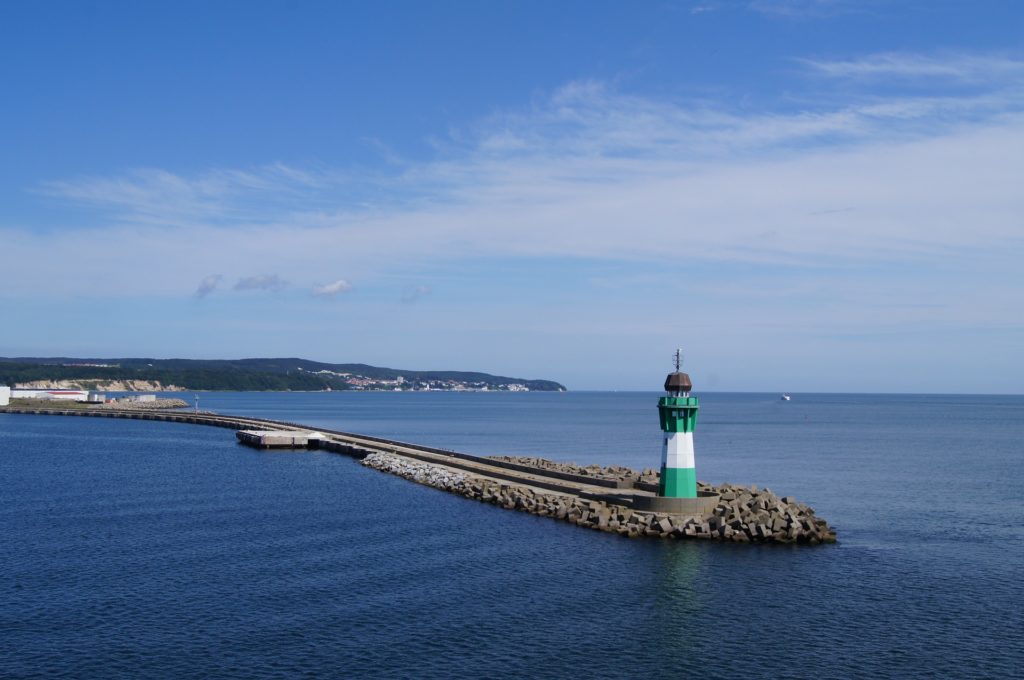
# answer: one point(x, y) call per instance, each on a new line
point(678, 483)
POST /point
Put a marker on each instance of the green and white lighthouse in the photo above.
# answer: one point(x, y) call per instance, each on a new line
point(678, 413)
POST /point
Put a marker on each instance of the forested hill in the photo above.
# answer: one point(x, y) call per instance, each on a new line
point(256, 374)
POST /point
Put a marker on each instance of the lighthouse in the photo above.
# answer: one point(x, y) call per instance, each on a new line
point(678, 414)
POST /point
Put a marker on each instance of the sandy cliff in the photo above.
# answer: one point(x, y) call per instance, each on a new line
point(101, 385)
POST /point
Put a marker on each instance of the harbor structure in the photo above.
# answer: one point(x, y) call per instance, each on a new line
point(610, 502)
point(678, 415)
point(280, 439)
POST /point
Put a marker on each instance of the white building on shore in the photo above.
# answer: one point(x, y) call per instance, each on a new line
point(68, 395)
point(5, 395)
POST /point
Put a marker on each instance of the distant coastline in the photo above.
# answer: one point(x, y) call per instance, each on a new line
point(247, 375)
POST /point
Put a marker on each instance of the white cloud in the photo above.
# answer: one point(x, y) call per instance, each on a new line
point(208, 284)
point(590, 172)
point(332, 289)
point(261, 282)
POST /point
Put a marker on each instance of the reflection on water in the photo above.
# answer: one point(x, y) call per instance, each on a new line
point(678, 603)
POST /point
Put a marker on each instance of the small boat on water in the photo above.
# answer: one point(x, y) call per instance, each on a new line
point(786, 397)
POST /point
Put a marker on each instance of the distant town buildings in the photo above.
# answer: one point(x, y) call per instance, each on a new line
point(138, 398)
point(402, 384)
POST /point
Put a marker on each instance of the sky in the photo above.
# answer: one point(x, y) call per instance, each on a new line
point(803, 195)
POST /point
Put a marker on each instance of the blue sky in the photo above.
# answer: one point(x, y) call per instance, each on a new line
point(806, 195)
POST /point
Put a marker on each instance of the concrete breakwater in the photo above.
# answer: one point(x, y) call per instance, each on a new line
point(606, 498)
point(743, 514)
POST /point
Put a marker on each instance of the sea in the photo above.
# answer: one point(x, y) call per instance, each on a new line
point(136, 549)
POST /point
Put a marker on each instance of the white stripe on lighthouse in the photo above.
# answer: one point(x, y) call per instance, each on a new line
point(677, 451)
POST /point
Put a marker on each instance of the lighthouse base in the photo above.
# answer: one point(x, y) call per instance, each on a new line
point(703, 504)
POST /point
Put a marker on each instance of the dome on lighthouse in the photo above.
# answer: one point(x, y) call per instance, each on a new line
point(678, 382)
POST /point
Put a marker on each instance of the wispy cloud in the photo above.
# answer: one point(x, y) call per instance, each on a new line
point(592, 172)
point(704, 7)
point(216, 196)
point(791, 9)
point(805, 8)
point(414, 293)
point(261, 282)
point(332, 289)
point(208, 284)
point(965, 67)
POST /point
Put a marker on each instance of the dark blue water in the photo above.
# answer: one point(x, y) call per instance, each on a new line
point(140, 549)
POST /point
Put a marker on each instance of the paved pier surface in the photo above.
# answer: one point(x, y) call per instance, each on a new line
point(280, 439)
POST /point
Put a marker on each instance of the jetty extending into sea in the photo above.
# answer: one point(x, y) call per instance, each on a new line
point(625, 504)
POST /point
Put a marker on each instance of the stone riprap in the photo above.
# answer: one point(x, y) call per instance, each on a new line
point(743, 515)
point(759, 515)
point(615, 472)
